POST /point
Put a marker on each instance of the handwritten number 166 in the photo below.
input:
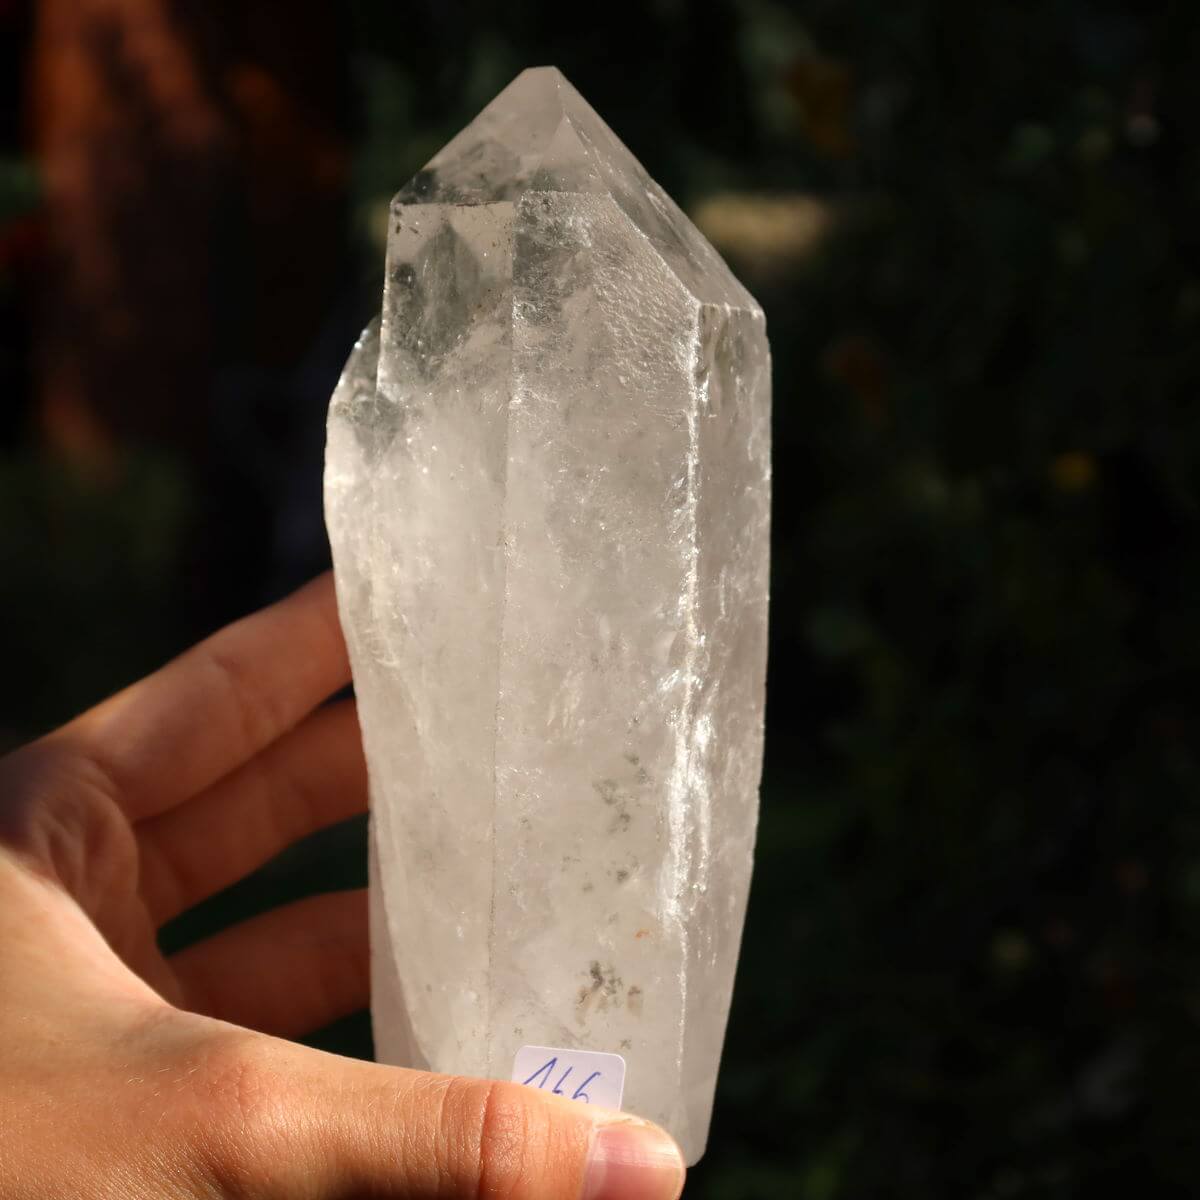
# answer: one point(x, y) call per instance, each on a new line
point(547, 1070)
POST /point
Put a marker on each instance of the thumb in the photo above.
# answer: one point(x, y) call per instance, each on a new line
point(301, 1123)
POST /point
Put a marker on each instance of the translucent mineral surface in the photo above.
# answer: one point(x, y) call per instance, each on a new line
point(547, 491)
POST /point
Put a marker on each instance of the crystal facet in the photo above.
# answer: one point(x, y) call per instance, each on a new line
point(547, 491)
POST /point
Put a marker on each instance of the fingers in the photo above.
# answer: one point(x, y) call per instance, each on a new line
point(298, 1123)
point(312, 777)
point(286, 972)
point(179, 730)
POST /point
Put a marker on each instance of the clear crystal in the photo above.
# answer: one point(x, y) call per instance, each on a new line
point(547, 491)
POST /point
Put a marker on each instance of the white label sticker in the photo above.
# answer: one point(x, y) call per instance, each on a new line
point(587, 1075)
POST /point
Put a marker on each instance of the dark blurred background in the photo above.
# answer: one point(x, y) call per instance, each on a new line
point(972, 964)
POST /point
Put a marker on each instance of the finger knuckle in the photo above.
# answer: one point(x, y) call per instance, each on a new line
point(258, 713)
point(242, 1121)
point(497, 1135)
point(66, 822)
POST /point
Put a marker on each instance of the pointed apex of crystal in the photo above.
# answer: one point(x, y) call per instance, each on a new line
point(495, 157)
point(539, 135)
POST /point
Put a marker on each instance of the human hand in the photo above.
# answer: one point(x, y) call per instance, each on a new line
point(124, 1073)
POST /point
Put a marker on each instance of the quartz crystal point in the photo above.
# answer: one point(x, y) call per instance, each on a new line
point(547, 491)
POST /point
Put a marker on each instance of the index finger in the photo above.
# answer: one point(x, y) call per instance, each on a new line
point(172, 734)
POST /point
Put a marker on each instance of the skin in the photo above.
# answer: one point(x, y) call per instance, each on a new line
point(128, 1074)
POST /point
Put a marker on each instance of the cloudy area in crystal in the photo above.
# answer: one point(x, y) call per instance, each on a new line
point(547, 492)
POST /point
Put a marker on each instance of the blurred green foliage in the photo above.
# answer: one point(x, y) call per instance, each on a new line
point(972, 963)
point(88, 570)
point(18, 188)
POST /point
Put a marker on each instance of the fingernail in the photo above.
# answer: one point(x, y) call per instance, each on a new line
point(632, 1160)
